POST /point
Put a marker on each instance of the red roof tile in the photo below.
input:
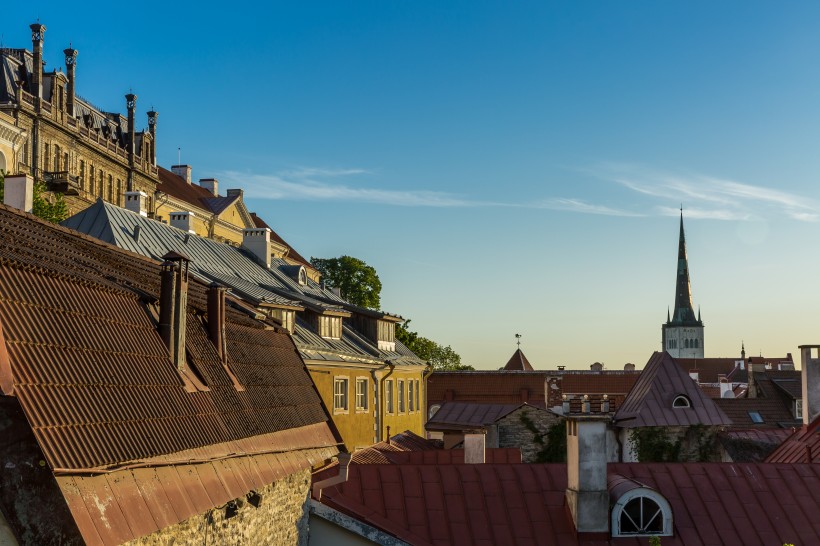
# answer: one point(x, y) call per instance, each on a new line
point(649, 403)
point(712, 503)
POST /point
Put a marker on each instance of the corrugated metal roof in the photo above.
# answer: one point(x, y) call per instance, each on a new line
point(483, 504)
point(470, 414)
point(803, 446)
point(649, 403)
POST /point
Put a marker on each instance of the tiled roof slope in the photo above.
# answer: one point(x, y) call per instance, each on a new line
point(803, 446)
point(176, 186)
point(774, 413)
point(496, 387)
point(93, 375)
point(518, 362)
point(710, 368)
point(468, 415)
point(522, 504)
point(649, 403)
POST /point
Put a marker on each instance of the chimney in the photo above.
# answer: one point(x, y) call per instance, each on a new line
point(474, 448)
point(216, 318)
point(694, 375)
point(37, 32)
point(71, 69)
point(257, 242)
point(811, 382)
point(726, 390)
point(587, 494)
point(235, 192)
point(137, 202)
point(131, 104)
point(605, 404)
point(210, 184)
point(183, 221)
point(19, 192)
point(152, 128)
point(183, 171)
point(585, 404)
point(596, 367)
point(173, 306)
point(565, 405)
point(629, 367)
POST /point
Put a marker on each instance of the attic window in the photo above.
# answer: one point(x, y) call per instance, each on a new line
point(641, 512)
point(681, 401)
point(302, 276)
point(755, 417)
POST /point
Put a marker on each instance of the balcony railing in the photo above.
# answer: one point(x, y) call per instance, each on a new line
point(62, 182)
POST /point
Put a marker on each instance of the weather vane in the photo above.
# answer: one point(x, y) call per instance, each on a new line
point(518, 340)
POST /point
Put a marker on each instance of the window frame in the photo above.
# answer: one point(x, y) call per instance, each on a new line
point(365, 406)
point(341, 395)
point(667, 522)
point(686, 402)
point(798, 408)
point(401, 403)
point(411, 395)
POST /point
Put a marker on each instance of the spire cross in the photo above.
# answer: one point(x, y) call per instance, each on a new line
point(518, 340)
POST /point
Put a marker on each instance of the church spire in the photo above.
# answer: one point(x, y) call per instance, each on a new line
point(684, 312)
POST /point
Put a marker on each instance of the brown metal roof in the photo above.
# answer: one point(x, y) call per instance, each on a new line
point(803, 446)
point(496, 387)
point(649, 403)
point(469, 415)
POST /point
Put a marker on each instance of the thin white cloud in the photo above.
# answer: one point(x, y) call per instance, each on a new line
point(709, 214)
point(577, 205)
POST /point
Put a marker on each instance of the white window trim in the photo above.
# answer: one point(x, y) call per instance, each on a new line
point(663, 504)
point(365, 408)
point(389, 394)
point(401, 402)
point(346, 408)
point(682, 398)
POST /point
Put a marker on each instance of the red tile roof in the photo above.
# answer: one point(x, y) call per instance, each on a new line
point(649, 403)
point(772, 410)
point(522, 504)
point(518, 362)
point(176, 186)
point(710, 368)
point(803, 446)
point(94, 379)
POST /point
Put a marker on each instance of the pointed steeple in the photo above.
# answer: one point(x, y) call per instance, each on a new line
point(684, 312)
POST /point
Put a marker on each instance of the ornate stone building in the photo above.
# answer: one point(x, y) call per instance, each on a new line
point(49, 131)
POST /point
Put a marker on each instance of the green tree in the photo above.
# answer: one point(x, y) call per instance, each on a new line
point(440, 357)
point(358, 282)
point(47, 206)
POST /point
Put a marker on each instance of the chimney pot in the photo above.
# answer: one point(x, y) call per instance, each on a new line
point(587, 494)
point(565, 405)
point(183, 171)
point(183, 221)
point(257, 242)
point(474, 448)
point(137, 202)
point(19, 192)
point(210, 184)
point(585, 404)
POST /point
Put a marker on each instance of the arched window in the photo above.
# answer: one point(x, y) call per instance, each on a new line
point(641, 512)
point(433, 409)
point(686, 343)
point(696, 344)
point(2, 162)
point(681, 401)
point(302, 276)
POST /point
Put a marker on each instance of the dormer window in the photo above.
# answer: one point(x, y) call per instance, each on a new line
point(330, 327)
point(302, 276)
point(641, 512)
point(681, 401)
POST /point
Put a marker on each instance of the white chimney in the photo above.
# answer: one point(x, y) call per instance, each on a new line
point(210, 184)
point(726, 389)
point(587, 493)
point(19, 192)
point(474, 448)
point(183, 221)
point(257, 242)
point(694, 375)
point(137, 201)
point(811, 382)
point(183, 171)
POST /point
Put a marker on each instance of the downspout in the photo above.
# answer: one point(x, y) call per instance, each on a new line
point(380, 396)
point(341, 477)
point(427, 373)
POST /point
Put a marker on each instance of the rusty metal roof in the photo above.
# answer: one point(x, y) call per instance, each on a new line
point(649, 403)
point(458, 415)
point(96, 384)
point(803, 446)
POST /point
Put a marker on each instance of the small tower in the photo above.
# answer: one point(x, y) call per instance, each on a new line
point(152, 128)
point(37, 33)
point(131, 104)
point(682, 334)
point(71, 68)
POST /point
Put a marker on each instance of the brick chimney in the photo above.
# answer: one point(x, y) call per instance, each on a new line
point(137, 202)
point(587, 493)
point(71, 69)
point(19, 192)
point(37, 33)
point(152, 128)
point(474, 443)
point(257, 242)
point(210, 184)
point(173, 306)
point(183, 171)
point(811, 382)
point(183, 221)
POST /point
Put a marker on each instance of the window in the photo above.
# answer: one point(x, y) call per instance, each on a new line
point(330, 327)
point(340, 394)
point(302, 276)
point(361, 394)
point(755, 417)
point(681, 401)
point(91, 179)
point(387, 331)
point(798, 408)
point(285, 317)
point(388, 395)
point(433, 409)
point(411, 399)
point(100, 184)
point(82, 174)
point(110, 188)
point(401, 395)
point(641, 512)
point(418, 406)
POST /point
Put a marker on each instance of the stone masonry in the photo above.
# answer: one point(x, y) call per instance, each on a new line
point(514, 432)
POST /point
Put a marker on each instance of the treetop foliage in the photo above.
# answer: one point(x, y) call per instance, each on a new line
point(51, 208)
point(358, 282)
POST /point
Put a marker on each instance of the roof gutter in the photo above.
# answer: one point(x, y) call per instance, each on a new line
point(380, 396)
point(427, 373)
point(341, 477)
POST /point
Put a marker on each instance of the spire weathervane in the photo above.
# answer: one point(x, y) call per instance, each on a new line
point(518, 340)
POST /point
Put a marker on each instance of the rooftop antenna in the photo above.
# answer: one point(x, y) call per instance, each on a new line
point(518, 340)
point(179, 156)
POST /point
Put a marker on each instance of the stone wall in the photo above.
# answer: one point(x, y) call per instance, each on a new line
point(281, 519)
point(513, 431)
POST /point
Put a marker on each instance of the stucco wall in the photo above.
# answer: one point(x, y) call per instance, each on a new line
point(281, 519)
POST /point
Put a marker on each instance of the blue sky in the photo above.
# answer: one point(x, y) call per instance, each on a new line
point(506, 167)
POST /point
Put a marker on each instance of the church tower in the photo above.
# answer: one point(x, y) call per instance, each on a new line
point(683, 333)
